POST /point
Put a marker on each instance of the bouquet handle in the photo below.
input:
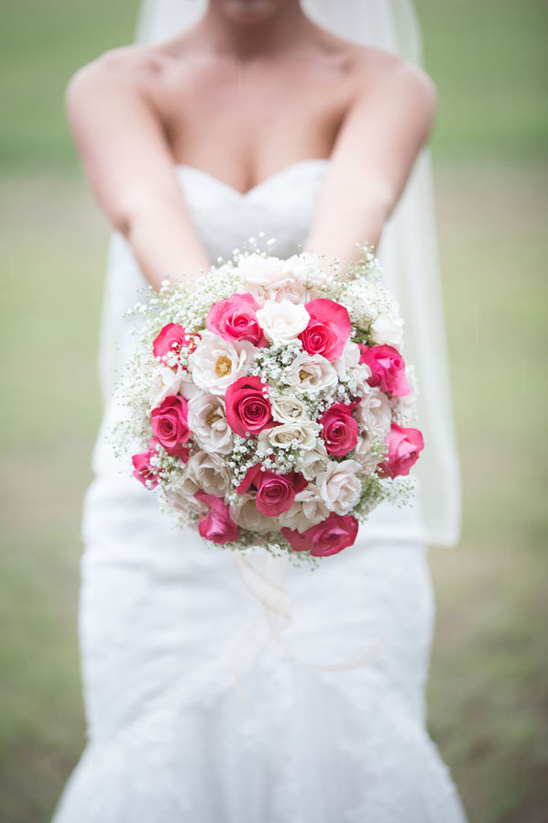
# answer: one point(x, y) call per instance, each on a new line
point(269, 590)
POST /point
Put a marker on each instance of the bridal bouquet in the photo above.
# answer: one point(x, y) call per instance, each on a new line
point(272, 405)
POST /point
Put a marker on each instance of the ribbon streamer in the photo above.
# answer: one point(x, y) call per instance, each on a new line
point(272, 595)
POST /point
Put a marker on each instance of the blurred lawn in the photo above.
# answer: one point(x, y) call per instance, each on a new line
point(489, 684)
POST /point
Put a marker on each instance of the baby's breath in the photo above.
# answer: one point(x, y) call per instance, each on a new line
point(359, 288)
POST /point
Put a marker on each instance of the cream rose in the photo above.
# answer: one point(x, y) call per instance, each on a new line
point(282, 321)
point(363, 452)
point(301, 434)
point(244, 512)
point(205, 472)
point(311, 373)
point(184, 503)
point(374, 412)
point(315, 461)
point(307, 510)
point(217, 363)
point(207, 422)
point(339, 486)
point(287, 407)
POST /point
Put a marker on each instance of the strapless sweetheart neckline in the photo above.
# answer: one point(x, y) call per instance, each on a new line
point(299, 165)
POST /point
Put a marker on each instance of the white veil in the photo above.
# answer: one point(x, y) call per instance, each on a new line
point(408, 250)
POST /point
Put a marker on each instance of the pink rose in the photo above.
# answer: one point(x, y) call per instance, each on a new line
point(171, 339)
point(330, 536)
point(236, 319)
point(404, 445)
point(339, 429)
point(248, 409)
point(275, 492)
point(169, 423)
point(143, 471)
point(216, 525)
point(387, 369)
point(328, 328)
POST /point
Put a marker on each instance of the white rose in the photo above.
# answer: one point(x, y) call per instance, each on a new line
point(257, 270)
point(314, 462)
point(188, 386)
point(165, 383)
point(307, 510)
point(282, 321)
point(286, 408)
point(339, 486)
point(205, 472)
point(301, 434)
point(307, 269)
point(217, 363)
point(288, 289)
point(374, 412)
point(349, 358)
point(311, 373)
point(184, 503)
point(244, 513)
point(363, 454)
point(387, 329)
point(207, 421)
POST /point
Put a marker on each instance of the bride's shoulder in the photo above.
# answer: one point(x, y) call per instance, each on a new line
point(369, 69)
point(371, 73)
point(131, 66)
point(378, 72)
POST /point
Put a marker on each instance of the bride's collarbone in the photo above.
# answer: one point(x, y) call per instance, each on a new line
point(243, 127)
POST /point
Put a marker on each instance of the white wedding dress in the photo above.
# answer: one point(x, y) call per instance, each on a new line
point(171, 738)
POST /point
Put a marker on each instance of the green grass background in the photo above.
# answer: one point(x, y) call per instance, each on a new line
point(488, 690)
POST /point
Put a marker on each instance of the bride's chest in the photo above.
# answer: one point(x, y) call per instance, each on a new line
point(243, 125)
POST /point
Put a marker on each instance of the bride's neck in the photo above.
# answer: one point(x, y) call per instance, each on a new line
point(287, 28)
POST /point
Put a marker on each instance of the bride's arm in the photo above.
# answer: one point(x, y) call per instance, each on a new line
point(127, 161)
point(374, 153)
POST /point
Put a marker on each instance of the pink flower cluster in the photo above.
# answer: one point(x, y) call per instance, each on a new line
point(240, 406)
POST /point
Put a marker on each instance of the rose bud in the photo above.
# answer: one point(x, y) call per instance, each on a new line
point(404, 445)
point(331, 536)
point(387, 369)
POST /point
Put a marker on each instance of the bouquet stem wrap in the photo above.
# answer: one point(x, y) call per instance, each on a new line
point(267, 586)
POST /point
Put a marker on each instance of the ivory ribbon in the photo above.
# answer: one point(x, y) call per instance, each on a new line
point(271, 593)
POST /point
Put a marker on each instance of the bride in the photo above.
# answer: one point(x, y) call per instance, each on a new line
point(236, 118)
